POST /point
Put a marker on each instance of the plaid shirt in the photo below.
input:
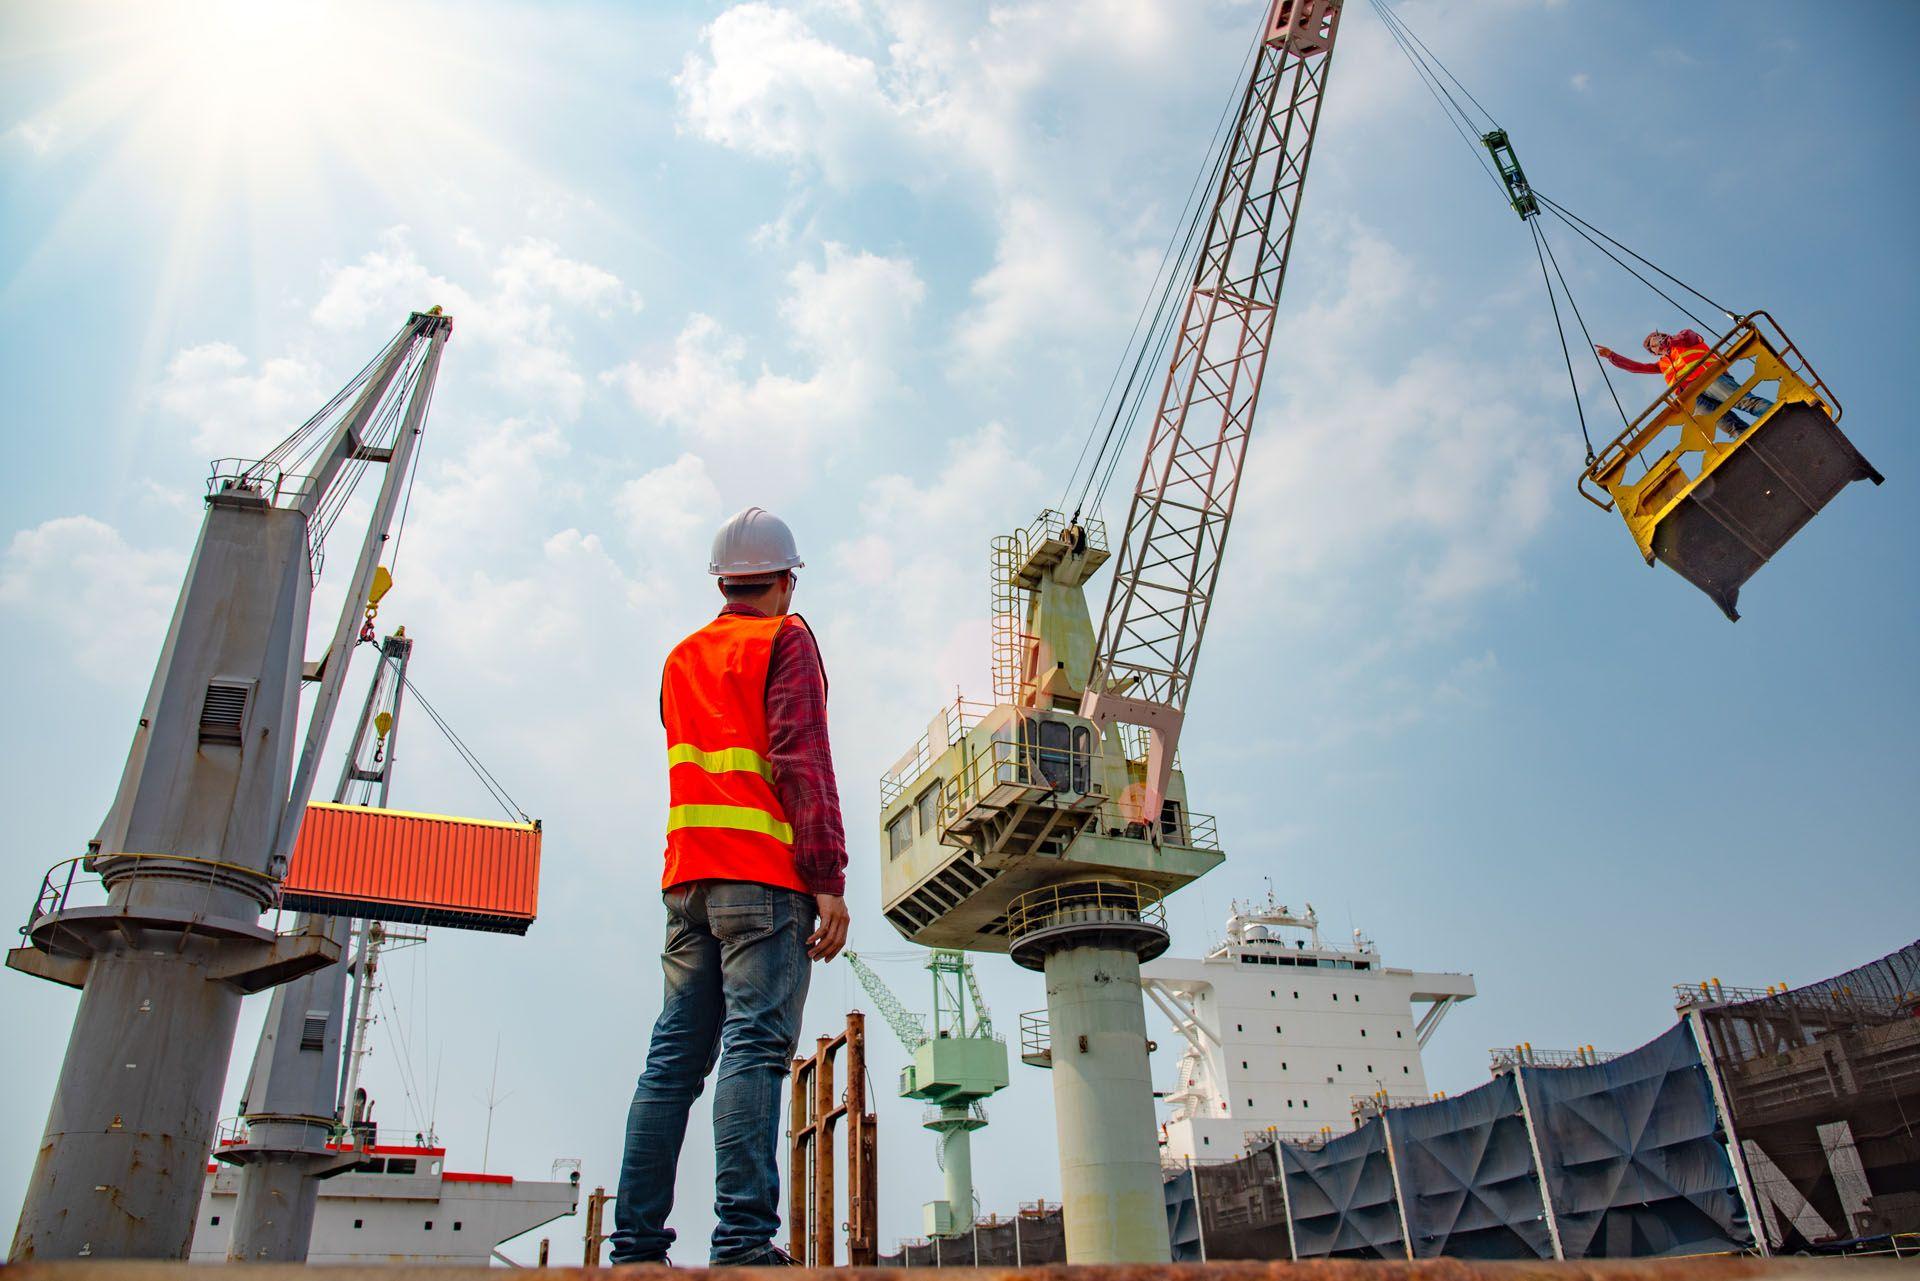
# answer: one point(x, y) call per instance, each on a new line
point(801, 758)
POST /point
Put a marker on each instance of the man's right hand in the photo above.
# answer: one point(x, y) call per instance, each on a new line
point(830, 931)
point(1606, 352)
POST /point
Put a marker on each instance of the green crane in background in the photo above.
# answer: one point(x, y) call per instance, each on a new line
point(952, 1066)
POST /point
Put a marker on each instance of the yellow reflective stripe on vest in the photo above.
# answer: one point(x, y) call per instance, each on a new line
point(739, 818)
point(1691, 359)
point(727, 759)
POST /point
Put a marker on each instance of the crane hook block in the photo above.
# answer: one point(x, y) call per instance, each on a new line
point(1519, 190)
point(382, 584)
point(1731, 464)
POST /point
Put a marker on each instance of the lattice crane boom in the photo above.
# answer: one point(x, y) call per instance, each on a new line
point(911, 1028)
point(1176, 529)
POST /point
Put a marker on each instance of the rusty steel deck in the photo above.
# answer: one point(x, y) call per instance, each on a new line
point(1693, 1269)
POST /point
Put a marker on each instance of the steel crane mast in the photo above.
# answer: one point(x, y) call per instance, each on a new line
point(195, 843)
point(1176, 528)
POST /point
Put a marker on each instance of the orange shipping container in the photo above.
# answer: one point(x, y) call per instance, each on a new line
point(429, 869)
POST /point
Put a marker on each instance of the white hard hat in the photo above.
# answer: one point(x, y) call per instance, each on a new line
point(754, 542)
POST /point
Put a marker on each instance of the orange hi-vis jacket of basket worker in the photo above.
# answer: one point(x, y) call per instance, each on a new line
point(725, 820)
point(1684, 361)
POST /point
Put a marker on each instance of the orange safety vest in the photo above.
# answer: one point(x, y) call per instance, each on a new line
point(1679, 362)
point(724, 821)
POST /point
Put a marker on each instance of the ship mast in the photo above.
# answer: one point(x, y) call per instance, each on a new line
point(292, 1101)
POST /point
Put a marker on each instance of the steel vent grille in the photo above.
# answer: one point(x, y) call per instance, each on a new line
point(313, 1031)
point(223, 712)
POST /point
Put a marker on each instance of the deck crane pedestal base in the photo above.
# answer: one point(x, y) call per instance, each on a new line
point(1089, 938)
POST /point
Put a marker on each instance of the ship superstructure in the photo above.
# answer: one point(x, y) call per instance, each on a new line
point(398, 1204)
point(1285, 1031)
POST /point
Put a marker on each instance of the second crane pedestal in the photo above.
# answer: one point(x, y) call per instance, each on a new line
point(1089, 938)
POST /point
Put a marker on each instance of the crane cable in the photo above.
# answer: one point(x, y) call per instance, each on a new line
point(480, 771)
point(1175, 268)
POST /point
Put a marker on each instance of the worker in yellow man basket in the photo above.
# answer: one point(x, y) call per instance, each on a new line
point(1684, 359)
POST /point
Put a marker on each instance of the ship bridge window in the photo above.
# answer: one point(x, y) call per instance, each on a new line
point(1363, 965)
point(899, 834)
point(403, 1166)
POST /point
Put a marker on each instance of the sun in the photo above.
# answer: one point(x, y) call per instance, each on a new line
point(262, 96)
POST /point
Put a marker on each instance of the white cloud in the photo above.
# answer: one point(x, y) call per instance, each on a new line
point(529, 347)
point(233, 408)
point(674, 504)
point(920, 546)
point(851, 316)
point(111, 601)
point(1581, 81)
point(949, 96)
point(1424, 470)
point(37, 135)
point(770, 87)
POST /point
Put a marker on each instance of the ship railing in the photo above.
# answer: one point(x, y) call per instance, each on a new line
point(1842, 1001)
point(1036, 1038)
point(949, 724)
point(234, 1131)
point(1366, 1105)
point(1052, 523)
point(1177, 826)
point(1504, 1057)
point(81, 881)
point(935, 1112)
point(1095, 901)
point(1714, 992)
point(1256, 1140)
point(1033, 773)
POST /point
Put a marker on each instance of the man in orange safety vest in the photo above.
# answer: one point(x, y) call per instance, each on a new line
point(754, 877)
point(1685, 360)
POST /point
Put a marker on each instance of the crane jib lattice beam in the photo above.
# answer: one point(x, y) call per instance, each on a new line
point(1176, 529)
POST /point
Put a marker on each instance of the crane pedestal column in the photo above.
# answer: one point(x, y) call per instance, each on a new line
point(120, 1171)
point(1089, 939)
point(955, 1124)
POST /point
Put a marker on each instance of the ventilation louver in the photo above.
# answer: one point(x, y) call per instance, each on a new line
point(313, 1031)
point(222, 713)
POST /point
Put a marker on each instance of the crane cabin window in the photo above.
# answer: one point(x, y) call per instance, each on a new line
point(926, 808)
point(899, 834)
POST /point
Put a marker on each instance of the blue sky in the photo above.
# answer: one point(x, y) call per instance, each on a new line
point(869, 263)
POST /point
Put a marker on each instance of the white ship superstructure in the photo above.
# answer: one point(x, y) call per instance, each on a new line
point(1284, 1031)
point(400, 1205)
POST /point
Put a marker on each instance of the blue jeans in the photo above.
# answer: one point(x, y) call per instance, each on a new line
point(1715, 394)
point(737, 970)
